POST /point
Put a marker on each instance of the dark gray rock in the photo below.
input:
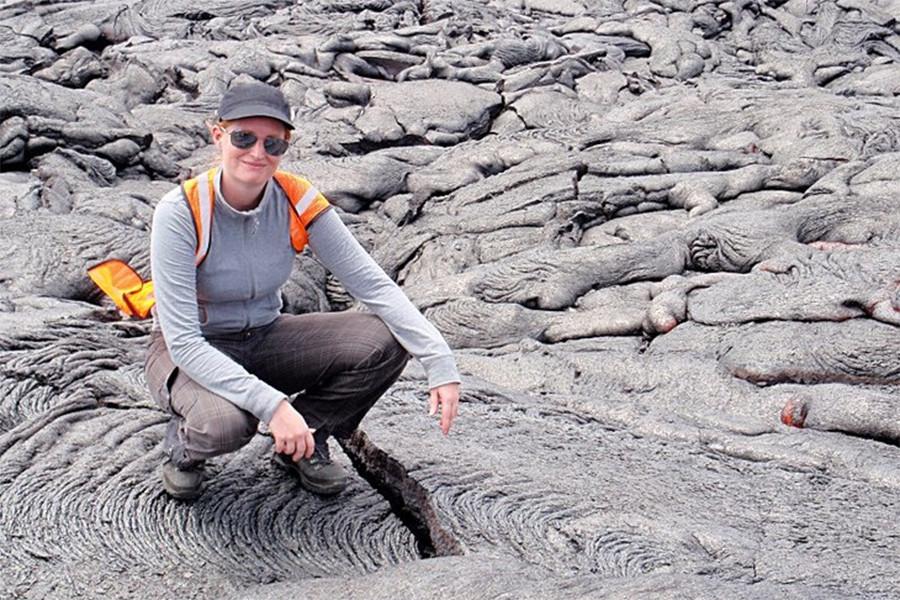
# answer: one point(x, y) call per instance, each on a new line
point(75, 68)
point(853, 351)
point(662, 236)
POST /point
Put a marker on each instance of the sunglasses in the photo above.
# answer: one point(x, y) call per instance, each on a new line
point(274, 146)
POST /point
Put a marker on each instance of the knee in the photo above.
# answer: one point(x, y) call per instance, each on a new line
point(227, 429)
point(397, 357)
point(387, 351)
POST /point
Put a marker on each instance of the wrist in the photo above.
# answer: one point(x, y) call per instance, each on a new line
point(280, 408)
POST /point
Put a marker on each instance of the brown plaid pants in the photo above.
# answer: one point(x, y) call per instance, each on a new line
point(336, 365)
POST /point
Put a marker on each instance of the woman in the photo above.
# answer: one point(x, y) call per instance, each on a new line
point(222, 358)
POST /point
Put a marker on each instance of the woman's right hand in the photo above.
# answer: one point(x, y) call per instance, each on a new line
point(292, 435)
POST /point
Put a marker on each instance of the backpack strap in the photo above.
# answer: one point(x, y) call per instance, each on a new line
point(307, 204)
point(201, 198)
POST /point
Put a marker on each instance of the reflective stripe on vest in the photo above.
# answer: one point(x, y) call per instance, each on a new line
point(201, 197)
point(305, 200)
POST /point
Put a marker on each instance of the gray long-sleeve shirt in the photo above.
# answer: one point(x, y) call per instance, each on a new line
point(238, 286)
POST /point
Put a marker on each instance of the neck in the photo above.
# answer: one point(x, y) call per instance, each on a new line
point(241, 196)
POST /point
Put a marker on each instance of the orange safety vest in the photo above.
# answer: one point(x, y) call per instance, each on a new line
point(134, 296)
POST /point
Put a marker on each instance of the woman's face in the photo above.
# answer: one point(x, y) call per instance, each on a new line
point(251, 166)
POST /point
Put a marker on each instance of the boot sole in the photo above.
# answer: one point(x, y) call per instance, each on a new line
point(316, 487)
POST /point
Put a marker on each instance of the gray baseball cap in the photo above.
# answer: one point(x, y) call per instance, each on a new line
point(254, 99)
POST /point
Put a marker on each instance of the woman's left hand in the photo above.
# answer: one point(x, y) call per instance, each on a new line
point(447, 396)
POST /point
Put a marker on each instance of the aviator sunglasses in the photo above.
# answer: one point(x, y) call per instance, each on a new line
point(274, 146)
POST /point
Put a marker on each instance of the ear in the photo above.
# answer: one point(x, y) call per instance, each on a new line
point(215, 132)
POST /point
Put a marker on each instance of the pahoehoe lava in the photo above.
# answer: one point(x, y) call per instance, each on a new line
point(662, 237)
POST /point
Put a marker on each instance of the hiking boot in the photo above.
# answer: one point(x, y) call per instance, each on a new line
point(318, 474)
point(182, 484)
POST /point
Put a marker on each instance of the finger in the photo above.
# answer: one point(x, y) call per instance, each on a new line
point(289, 447)
point(454, 409)
point(301, 451)
point(279, 445)
point(310, 445)
point(432, 402)
point(446, 416)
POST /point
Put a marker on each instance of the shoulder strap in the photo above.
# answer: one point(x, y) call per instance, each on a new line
point(307, 204)
point(200, 195)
